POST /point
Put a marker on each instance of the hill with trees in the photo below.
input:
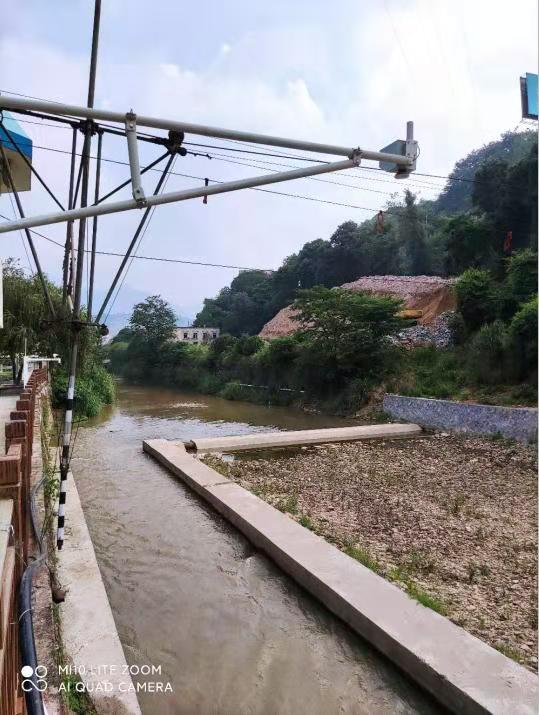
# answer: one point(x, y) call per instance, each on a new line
point(344, 350)
point(490, 192)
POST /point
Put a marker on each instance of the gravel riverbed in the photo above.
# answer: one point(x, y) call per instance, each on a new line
point(451, 520)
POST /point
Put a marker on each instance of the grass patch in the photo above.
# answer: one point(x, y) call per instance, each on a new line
point(444, 374)
point(307, 522)
point(289, 505)
point(426, 599)
point(75, 697)
point(512, 653)
point(364, 557)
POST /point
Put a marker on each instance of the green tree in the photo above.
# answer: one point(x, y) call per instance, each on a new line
point(476, 298)
point(457, 195)
point(488, 354)
point(522, 274)
point(123, 336)
point(345, 334)
point(241, 308)
point(523, 335)
point(24, 312)
point(507, 193)
point(470, 242)
point(412, 237)
point(153, 321)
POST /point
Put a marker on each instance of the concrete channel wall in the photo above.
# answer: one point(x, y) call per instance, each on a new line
point(266, 440)
point(89, 633)
point(519, 423)
point(460, 671)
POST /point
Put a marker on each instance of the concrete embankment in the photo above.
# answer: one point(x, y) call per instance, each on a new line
point(266, 440)
point(460, 671)
point(519, 423)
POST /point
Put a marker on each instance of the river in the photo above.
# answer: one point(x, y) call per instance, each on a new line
point(232, 634)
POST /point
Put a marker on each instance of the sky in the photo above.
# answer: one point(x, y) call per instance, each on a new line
point(350, 72)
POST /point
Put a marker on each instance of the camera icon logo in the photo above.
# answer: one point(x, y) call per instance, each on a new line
point(34, 679)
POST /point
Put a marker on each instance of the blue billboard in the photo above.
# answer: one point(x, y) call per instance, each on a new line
point(528, 94)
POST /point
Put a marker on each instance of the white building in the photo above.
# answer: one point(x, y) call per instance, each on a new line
point(196, 335)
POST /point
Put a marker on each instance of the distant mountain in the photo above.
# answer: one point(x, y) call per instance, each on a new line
point(457, 195)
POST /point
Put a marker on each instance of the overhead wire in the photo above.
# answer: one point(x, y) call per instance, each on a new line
point(139, 242)
point(163, 259)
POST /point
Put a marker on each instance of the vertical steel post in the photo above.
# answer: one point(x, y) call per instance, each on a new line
point(76, 326)
point(94, 226)
point(69, 232)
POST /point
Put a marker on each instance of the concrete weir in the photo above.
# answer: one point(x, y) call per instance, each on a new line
point(460, 671)
point(266, 440)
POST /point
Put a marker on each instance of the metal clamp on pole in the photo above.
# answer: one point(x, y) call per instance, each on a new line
point(132, 148)
point(355, 156)
point(411, 145)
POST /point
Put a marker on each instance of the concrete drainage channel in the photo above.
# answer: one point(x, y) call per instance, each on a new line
point(460, 671)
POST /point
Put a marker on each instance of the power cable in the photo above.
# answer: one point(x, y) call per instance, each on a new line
point(262, 165)
point(154, 258)
point(139, 242)
point(350, 174)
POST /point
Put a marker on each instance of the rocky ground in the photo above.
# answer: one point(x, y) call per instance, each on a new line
point(450, 519)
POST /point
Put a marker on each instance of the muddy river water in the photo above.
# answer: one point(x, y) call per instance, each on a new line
point(232, 634)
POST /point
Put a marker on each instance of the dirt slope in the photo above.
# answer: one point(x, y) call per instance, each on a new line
point(430, 294)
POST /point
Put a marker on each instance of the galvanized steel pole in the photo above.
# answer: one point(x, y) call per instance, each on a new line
point(175, 196)
point(76, 325)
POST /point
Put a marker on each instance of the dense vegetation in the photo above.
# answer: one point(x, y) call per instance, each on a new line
point(28, 328)
point(495, 328)
point(339, 354)
point(490, 192)
point(342, 353)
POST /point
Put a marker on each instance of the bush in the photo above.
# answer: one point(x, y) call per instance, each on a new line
point(117, 353)
point(457, 326)
point(431, 373)
point(522, 274)
point(476, 298)
point(93, 389)
point(249, 345)
point(488, 354)
point(523, 336)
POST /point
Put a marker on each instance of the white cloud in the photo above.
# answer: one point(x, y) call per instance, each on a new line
point(354, 79)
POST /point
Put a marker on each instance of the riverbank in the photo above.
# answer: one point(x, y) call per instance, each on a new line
point(451, 520)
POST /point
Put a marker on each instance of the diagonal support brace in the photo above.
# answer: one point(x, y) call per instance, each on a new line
point(132, 149)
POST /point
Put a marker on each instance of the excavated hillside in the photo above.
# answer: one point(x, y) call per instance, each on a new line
point(428, 296)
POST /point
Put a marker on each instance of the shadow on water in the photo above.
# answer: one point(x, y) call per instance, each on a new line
point(231, 633)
